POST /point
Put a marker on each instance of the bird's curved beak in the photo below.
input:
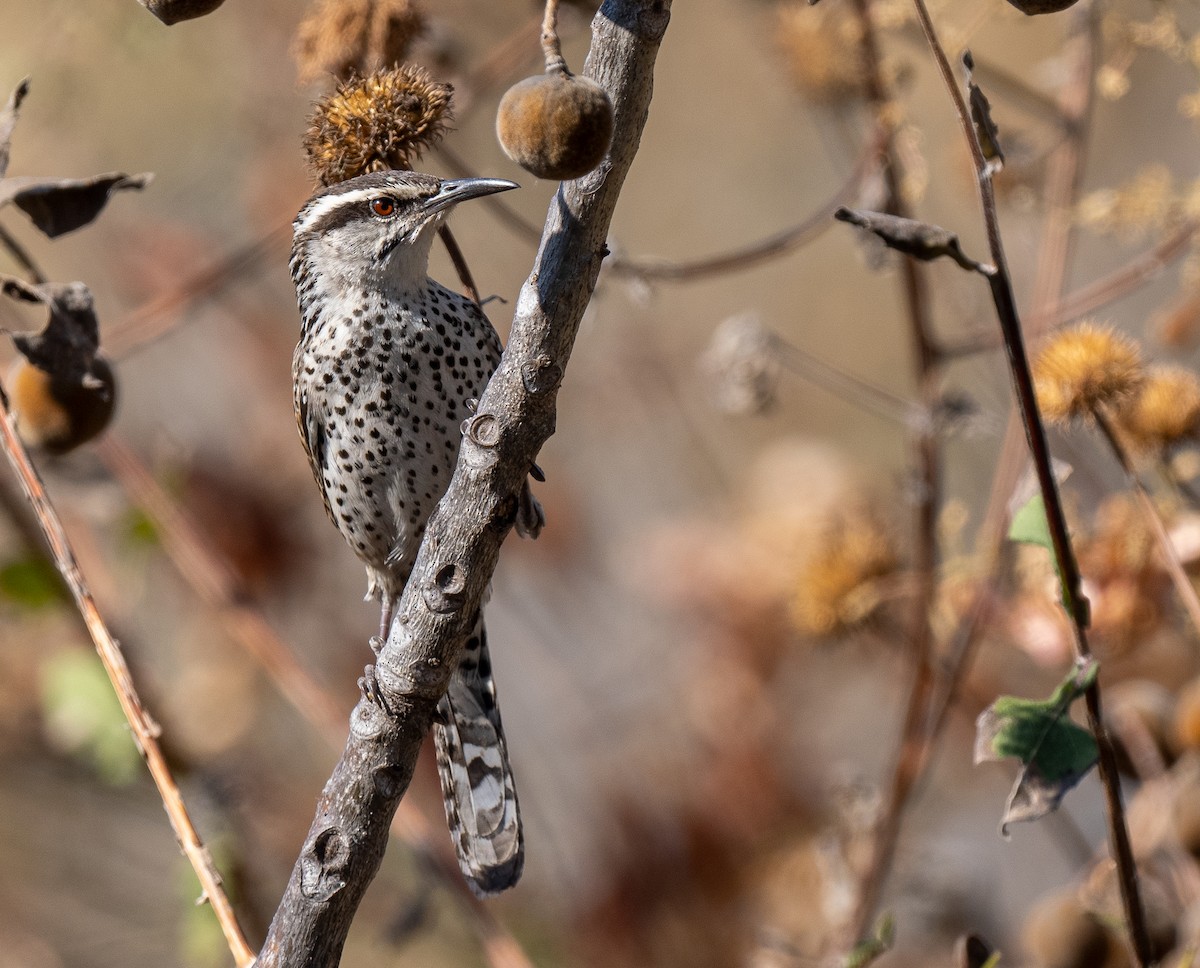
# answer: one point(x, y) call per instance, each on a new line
point(455, 190)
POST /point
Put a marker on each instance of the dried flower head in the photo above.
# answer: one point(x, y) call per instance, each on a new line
point(741, 366)
point(355, 37)
point(821, 48)
point(1084, 368)
point(373, 123)
point(839, 586)
point(1165, 411)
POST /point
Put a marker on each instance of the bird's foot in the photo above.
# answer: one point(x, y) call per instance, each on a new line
point(530, 516)
point(368, 685)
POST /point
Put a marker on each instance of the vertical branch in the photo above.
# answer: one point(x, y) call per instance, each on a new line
point(145, 730)
point(514, 418)
point(1035, 433)
point(912, 749)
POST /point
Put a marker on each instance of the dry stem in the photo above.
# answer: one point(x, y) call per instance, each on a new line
point(912, 749)
point(145, 730)
point(550, 45)
point(1074, 602)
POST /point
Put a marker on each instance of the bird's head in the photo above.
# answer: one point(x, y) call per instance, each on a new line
point(381, 223)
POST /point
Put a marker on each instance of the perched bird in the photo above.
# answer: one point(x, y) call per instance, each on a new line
point(388, 366)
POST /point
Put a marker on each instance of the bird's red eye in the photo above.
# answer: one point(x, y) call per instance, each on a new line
point(383, 207)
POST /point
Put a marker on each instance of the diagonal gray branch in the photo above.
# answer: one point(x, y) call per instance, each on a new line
point(514, 419)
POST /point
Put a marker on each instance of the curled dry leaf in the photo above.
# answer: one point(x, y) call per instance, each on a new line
point(61, 205)
point(173, 11)
point(986, 132)
point(8, 121)
point(918, 239)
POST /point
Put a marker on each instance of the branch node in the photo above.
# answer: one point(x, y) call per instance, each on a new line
point(369, 720)
point(484, 430)
point(389, 782)
point(541, 375)
point(444, 594)
point(320, 864)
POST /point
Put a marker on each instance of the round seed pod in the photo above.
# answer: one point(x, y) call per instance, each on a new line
point(1034, 7)
point(555, 125)
point(58, 412)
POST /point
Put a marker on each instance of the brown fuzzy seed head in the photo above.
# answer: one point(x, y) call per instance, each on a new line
point(838, 587)
point(385, 120)
point(346, 38)
point(1165, 411)
point(1083, 369)
point(57, 413)
point(555, 125)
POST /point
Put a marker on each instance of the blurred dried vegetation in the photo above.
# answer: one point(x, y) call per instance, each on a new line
point(705, 658)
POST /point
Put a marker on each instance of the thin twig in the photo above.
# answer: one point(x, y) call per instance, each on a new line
point(1075, 603)
point(509, 216)
point(762, 250)
point(21, 256)
point(460, 262)
point(1097, 294)
point(145, 730)
point(551, 49)
point(911, 752)
point(849, 387)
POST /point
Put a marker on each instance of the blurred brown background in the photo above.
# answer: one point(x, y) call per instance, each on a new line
point(696, 775)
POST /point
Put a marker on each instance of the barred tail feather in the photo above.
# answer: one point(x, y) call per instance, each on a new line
point(477, 782)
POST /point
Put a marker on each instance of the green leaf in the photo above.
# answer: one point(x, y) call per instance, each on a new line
point(1029, 524)
point(1055, 753)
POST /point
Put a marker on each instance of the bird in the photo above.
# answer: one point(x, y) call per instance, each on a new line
point(388, 365)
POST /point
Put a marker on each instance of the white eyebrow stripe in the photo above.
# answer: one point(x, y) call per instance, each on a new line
point(318, 208)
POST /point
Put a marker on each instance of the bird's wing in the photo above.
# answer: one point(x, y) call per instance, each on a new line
point(310, 420)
